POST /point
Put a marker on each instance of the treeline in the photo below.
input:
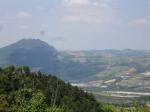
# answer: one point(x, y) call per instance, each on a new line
point(24, 91)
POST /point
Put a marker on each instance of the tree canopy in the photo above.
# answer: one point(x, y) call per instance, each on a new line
point(24, 91)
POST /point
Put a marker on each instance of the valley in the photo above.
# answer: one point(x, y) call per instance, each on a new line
point(124, 79)
point(109, 74)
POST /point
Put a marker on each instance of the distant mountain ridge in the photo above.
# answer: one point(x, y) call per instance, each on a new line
point(40, 56)
point(32, 52)
point(75, 65)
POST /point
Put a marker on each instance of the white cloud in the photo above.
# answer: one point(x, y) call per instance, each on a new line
point(15, 17)
point(15, 21)
point(24, 14)
point(142, 24)
point(24, 27)
point(76, 2)
point(90, 19)
point(89, 11)
point(142, 21)
point(58, 39)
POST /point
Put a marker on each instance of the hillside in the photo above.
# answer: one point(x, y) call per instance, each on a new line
point(25, 91)
point(125, 77)
point(32, 52)
point(116, 64)
point(112, 69)
point(40, 56)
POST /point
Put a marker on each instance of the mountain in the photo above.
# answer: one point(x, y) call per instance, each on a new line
point(125, 76)
point(93, 70)
point(32, 52)
point(85, 66)
point(40, 56)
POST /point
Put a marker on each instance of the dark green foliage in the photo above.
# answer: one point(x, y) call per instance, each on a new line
point(29, 101)
point(25, 91)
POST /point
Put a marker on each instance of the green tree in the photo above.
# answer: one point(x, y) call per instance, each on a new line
point(22, 98)
point(37, 103)
point(4, 105)
point(27, 100)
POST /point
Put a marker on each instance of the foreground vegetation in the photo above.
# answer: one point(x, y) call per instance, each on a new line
point(24, 91)
point(136, 108)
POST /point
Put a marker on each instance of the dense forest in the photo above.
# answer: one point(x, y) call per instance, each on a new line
point(24, 91)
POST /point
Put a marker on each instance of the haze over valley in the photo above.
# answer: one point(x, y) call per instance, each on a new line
point(96, 71)
point(74, 56)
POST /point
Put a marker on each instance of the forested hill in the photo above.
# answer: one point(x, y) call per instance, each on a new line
point(41, 56)
point(30, 52)
point(25, 91)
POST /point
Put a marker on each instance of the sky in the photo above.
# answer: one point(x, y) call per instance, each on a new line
point(77, 24)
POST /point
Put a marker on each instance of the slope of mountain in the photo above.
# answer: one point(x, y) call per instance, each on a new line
point(91, 66)
point(31, 52)
point(96, 70)
point(124, 79)
point(25, 91)
point(40, 56)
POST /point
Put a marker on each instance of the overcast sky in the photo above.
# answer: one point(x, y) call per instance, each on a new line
point(77, 24)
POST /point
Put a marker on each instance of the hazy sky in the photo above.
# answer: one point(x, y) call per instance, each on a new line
point(77, 24)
